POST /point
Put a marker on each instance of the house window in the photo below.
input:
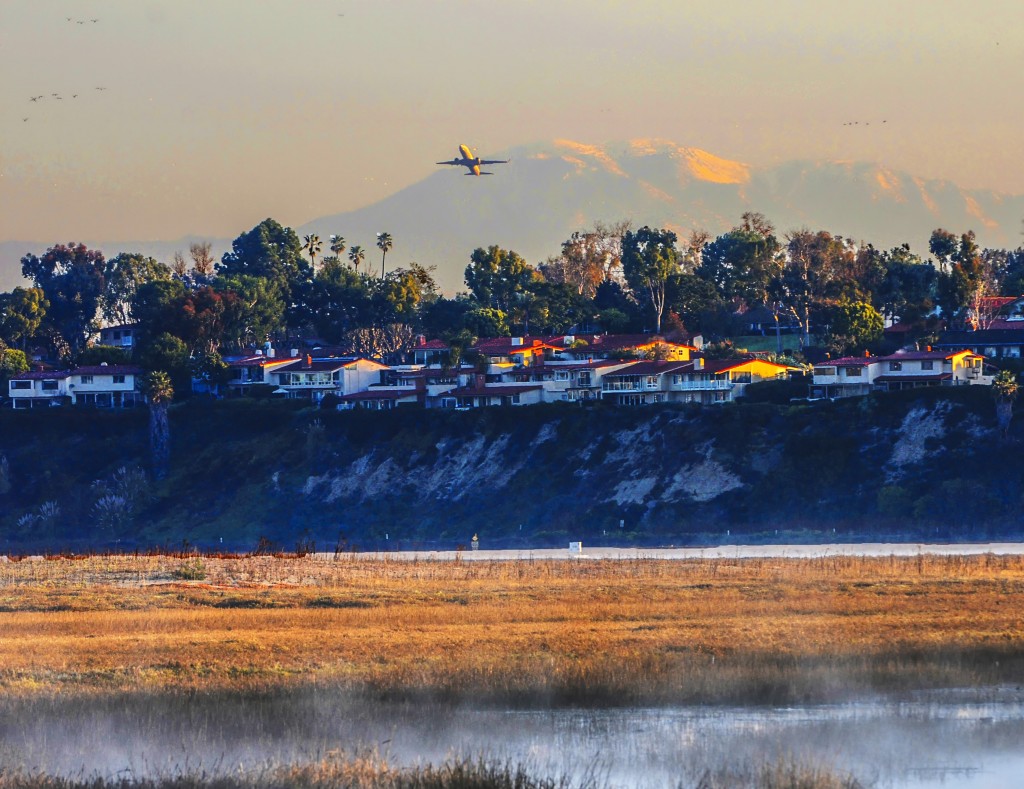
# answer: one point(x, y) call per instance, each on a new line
point(86, 379)
point(927, 365)
point(21, 384)
point(585, 379)
point(49, 386)
point(895, 366)
point(652, 381)
point(561, 375)
point(853, 372)
point(118, 379)
point(515, 398)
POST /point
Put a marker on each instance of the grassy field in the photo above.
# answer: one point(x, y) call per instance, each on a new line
point(526, 632)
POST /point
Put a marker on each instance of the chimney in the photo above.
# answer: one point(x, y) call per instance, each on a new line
point(928, 348)
point(421, 339)
point(309, 360)
point(478, 380)
point(517, 341)
point(295, 352)
point(867, 353)
point(698, 363)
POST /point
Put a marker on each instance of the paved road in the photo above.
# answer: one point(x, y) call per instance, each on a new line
point(713, 552)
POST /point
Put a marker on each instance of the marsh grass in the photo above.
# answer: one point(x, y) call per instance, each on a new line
point(605, 633)
point(374, 773)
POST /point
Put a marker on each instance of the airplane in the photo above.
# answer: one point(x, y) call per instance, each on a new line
point(473, 162)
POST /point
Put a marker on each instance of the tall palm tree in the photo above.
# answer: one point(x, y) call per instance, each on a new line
point(1005, 388)
point(159, 392)
point(337, 245)
point(356, 255)
point(313, 246)
point(384, 244)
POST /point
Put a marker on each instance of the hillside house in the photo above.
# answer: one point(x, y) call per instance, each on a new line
point(120, 336)
point(312, 379)
point(244, 372)
point(852, 376)
point(588, 347)
point(100, 386)
point(39, 389)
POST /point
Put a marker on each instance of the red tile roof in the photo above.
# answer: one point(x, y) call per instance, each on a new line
point(108, 369)
point(504, 389)
point(44, 375)
point(652, 368)
point(913, 356)
point(432, 345)
point(389, 395)
point(607, 343)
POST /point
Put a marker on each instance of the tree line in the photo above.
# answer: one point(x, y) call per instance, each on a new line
point(272, 286)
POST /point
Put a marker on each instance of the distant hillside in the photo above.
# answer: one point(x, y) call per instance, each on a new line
point(906, 465)
point(548, 191)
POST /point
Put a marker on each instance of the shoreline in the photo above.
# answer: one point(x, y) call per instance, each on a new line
point(739, 551)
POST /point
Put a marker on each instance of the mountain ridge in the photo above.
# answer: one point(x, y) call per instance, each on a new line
point(551, 189)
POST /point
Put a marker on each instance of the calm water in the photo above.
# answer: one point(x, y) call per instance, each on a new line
point(916, 744)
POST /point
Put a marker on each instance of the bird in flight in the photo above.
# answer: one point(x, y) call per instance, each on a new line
point(24, 119)
point(35, 98)
point(74, 95)
point(100, 88)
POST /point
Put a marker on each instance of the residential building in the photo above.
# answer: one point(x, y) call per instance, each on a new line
point(312, 379)
point(245, 372)
point(39, 388)
point(852, 376)
point(101, 386)
point(120, 336)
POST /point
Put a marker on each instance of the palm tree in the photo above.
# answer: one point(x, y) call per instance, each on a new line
point(159, 392)
point(356, 255)
point(337, 245)
point(384, 245)
point(313, 246)
point(1005, 388)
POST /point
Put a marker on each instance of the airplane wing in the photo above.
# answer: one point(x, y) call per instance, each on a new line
point(452, 161)
point(495, 161)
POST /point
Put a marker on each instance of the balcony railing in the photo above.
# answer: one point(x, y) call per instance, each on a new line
point(629, 386)
point(715, 384)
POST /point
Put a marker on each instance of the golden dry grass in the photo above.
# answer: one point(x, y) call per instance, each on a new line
point(606, 632)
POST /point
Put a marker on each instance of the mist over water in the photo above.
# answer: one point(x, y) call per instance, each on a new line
point(910, 744)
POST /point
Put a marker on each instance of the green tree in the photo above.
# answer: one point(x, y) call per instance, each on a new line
point(853, 326)
point(170, 354)
point(275, 253)
point(356, 256)
point(12, 362)
point(495, 276)
point(256, 309)
point(312, 246)
point(22, 312)
point(72, 279)
point(814, 275)
point(123, 275)
point(486, 322)
point(159, 392)
point(649, 258)
point(742, 263)
point(384, 244)
point(1005, 388)
point(337, 245)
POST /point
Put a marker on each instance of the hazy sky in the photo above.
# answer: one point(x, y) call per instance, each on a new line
point(219, 113)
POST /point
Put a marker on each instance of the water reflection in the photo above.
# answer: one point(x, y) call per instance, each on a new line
point(911, 744)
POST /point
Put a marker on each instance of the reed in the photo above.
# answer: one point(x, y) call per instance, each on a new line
point(512, 632)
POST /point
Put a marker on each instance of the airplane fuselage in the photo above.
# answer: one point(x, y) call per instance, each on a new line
point(472, 163)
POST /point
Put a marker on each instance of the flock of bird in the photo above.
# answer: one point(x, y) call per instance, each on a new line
point(858, 123)
point(57, 96)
